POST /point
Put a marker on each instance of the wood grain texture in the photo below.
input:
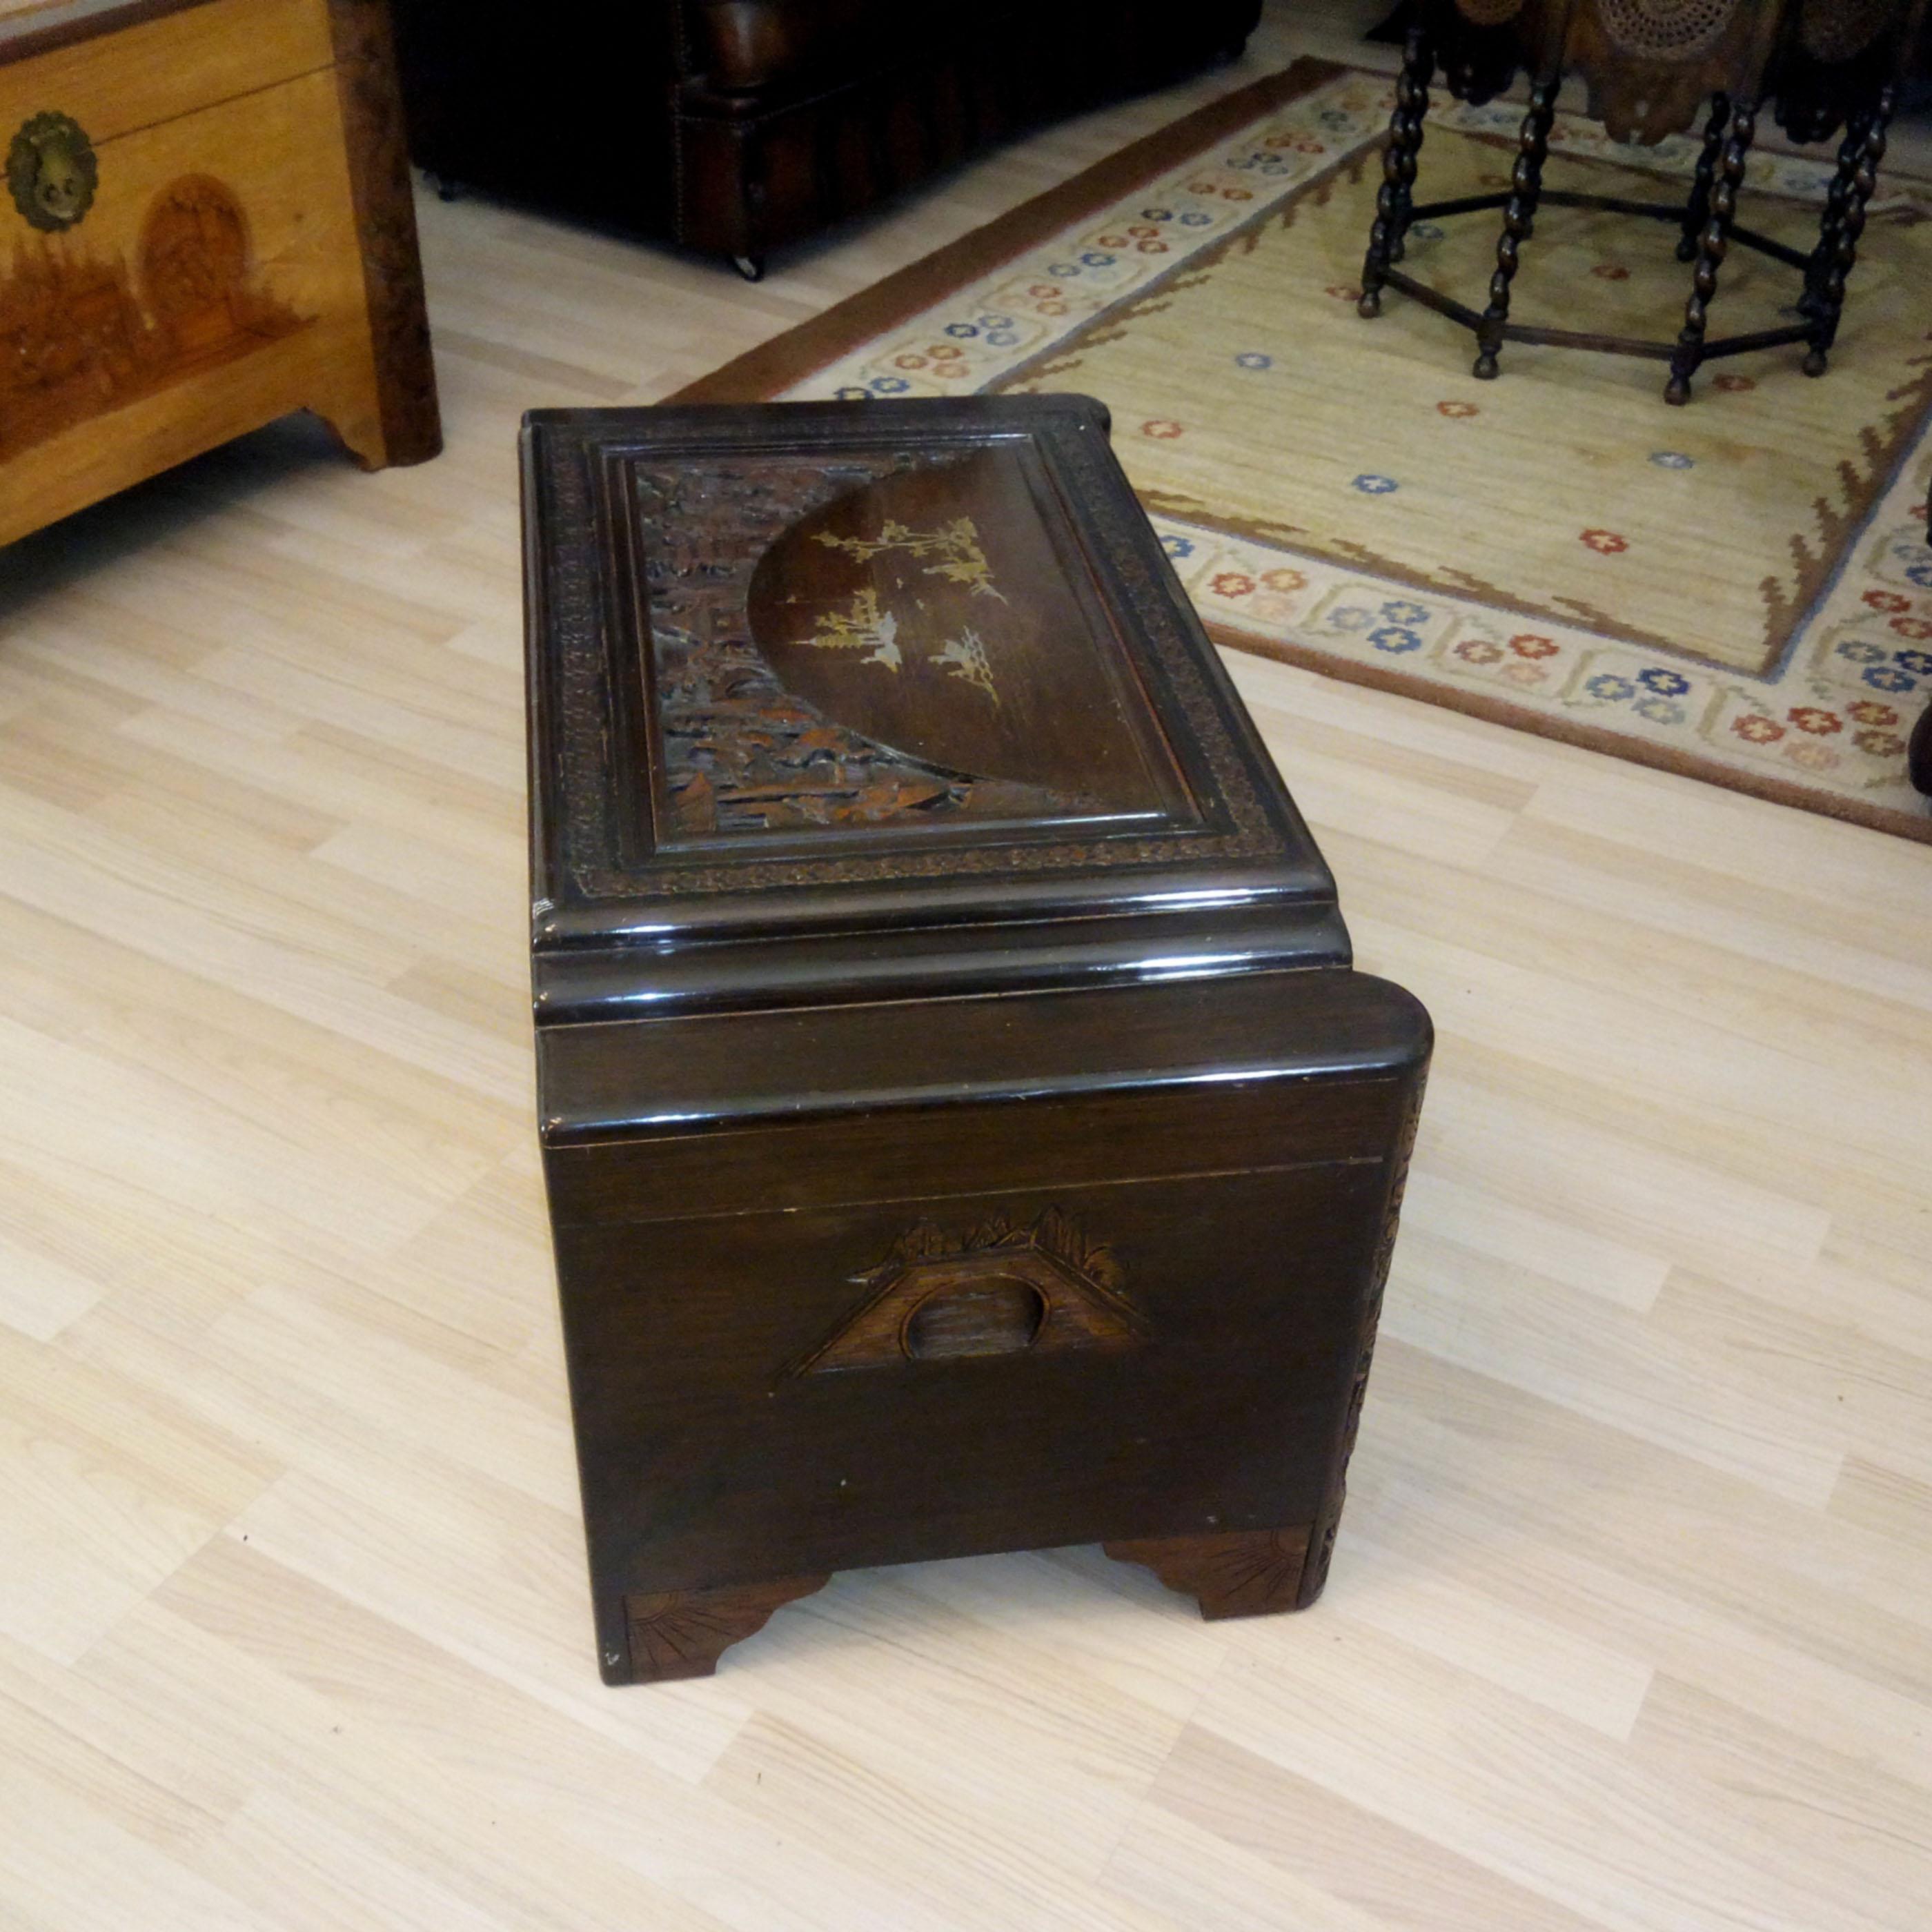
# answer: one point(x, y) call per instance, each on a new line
point(375, 144)
point(168, 60)
point(1181, 796)
point(1247, 1573)
point(218, 281)
point(675, 1634)
point(723, 1436)
point(1628, 1628)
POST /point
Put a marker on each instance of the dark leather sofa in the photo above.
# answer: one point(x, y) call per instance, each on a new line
point(735, 126)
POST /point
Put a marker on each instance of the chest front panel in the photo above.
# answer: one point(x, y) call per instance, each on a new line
point(796, 1387)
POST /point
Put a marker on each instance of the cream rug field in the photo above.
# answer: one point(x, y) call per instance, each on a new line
point(1740, 590)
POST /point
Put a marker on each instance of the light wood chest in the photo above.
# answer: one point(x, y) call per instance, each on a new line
point(207, 224)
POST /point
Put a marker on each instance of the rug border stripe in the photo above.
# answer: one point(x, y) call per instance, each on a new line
point(797, 353)
point(1566, 731)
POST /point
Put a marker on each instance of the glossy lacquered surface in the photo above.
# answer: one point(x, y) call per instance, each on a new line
point(809, 668)
point(962, 1129)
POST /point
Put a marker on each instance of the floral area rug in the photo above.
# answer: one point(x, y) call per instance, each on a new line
point(1740, 590)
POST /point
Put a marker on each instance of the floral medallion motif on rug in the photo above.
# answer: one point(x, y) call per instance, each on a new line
point(1740, 590)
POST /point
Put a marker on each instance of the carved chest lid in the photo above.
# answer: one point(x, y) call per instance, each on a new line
point(830, 698)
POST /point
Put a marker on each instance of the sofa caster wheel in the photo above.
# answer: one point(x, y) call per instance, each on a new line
point(751, 267)
point(446, 189)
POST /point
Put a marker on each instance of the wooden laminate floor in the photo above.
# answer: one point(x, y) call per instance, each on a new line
point(1630, 1626)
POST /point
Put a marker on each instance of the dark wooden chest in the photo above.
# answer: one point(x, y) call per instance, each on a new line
point(964, 1130)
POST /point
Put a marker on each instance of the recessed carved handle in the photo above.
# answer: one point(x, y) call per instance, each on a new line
point(999, 1314)
point(1000, 1290)
point(51, 171)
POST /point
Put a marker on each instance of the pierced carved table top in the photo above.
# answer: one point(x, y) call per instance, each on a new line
point(1650, 63)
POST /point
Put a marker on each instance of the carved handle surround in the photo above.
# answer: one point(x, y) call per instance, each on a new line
point(998, 1289)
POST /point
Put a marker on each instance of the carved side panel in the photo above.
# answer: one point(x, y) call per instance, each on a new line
point(1317, 1575)
point(1838, 59)
point(680, 1633)
point(1649, 64)
point(1246, 1572)
point(997, 1290)
point(1833, 30)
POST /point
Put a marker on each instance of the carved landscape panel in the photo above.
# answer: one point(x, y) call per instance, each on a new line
point(83, 332)
point(879, 643)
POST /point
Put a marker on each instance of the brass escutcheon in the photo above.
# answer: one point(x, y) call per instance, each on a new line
point(51, 171)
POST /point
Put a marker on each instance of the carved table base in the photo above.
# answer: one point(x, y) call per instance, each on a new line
point(1247, 1573)
point(1708, 222)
